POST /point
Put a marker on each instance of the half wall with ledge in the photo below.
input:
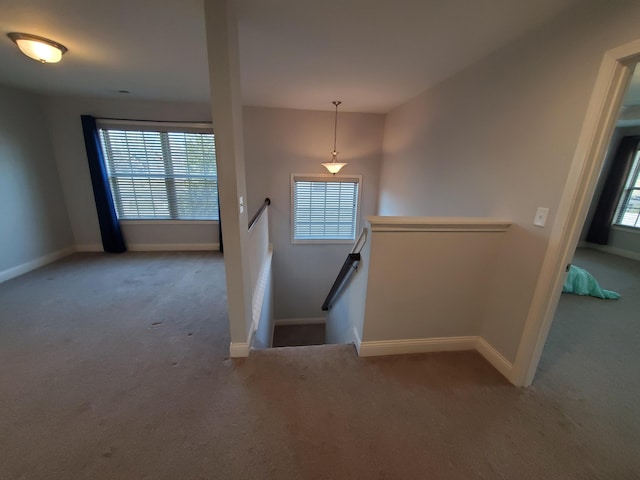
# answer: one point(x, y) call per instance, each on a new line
point(422, 285)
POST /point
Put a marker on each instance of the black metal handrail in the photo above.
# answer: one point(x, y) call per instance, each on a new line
point(349, 263)
point(254, 219)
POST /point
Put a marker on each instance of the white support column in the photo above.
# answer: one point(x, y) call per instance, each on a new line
point(226, 106)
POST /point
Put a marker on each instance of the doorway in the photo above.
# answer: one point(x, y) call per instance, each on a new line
point(591, 342)
point(611, 85)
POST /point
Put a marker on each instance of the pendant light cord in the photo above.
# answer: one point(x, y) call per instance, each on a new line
point(335, 128)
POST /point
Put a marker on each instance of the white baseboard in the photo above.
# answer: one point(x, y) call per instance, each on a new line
point(357, 340)
point(300, 321)
point(615, 251)
point(172, 247)
point(89, 247)
point(238, 350)
point(154, 247)
point(443, 344)
point(495, 358)
point(26, 267)
point(416, 345)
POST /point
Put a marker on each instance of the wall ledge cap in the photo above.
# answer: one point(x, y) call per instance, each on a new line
point(438, 224)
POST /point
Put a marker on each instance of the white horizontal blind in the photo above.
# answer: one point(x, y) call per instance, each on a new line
point(325, 209)
point(161, 174)
point(629, 207)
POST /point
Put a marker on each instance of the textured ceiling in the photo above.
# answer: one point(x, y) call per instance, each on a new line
point(372, 55)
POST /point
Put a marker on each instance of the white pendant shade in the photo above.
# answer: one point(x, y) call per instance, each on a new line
point(41, 49)
point(333, 167)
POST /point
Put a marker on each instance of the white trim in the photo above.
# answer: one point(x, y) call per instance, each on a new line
point(172, 247)
point(615, 251)
point(495, 358)
point(600, 119)
point(322, 242)
point(114, 123)
point(632, 122)
point(323, 178)
point(154, 247)
point(124, 222)
point(300, 321)
point(26, 267)
point(89, 247)
point(238, 349)
point(416, 345)
point(626, 228)
point(427, 345)
point(357, 341)
point(438, 224)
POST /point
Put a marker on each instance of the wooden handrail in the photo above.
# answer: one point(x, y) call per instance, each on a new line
point(254, 219)
point(352, 259)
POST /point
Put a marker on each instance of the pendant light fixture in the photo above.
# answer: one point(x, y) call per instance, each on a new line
point(40, 49)
point(333, 166)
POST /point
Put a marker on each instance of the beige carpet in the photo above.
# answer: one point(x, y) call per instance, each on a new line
point(114, 367)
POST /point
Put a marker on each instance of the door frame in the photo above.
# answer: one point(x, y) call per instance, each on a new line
point(611, 84)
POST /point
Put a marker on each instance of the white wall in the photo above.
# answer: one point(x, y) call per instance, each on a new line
point(226, 110)
point(279, 142)
point(260, 256)
point(497, 140)
point(63, 114)
point(420, 286)
point(264, 334)
point(34, 217)
point(428, 284)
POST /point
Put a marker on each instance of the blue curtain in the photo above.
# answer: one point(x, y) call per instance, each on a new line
point(112, 239)
point(612, 190)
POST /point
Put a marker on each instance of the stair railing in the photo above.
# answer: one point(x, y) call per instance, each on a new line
point(254, 219)
point(350, 264)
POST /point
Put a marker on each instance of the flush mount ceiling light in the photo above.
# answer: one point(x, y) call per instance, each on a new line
point(39, 48)
point(333, 166)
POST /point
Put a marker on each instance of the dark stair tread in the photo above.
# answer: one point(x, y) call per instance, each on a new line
point(298, 335)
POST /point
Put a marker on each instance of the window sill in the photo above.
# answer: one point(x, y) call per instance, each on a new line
point(624, 228)
point(169, 222)
point(323, 242)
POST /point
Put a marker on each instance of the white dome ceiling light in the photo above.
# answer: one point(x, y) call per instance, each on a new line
point(40, 49)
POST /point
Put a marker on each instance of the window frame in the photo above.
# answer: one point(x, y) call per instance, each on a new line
point(166, 128)
point(318, 177)
point(627, 194)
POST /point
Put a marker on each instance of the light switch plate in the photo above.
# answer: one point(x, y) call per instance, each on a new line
point(241, 204)
point(541, 217)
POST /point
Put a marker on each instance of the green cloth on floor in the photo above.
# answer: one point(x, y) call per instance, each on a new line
point(581, 282)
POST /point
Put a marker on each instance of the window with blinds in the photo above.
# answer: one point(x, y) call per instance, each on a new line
point(628, 213)
point(325, 208)
point(169, 175)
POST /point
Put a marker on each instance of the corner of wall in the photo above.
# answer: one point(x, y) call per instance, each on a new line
point(238, 349)
point(495, 358)
point(34, 264)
